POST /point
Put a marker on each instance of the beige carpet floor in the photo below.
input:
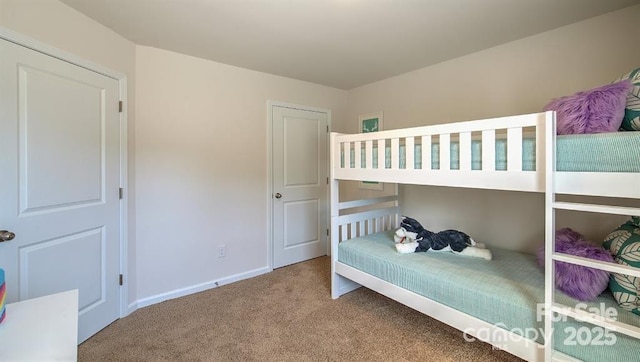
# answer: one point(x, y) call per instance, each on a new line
point(286, 315)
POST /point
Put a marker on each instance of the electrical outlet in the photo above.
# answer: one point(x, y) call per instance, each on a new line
point(222, 251)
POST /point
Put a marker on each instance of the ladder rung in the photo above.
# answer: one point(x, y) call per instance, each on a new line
point(597, 264)
point(603, 209)
point(596, 319)
point(557, 356)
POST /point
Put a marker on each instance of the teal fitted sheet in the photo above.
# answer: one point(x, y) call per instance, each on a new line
point(504, 291)
point(603, 152)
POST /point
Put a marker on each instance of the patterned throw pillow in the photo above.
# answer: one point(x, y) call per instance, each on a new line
point(631, 120)
point(624, 244)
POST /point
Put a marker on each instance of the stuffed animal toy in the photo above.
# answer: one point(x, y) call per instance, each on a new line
point(413, 237)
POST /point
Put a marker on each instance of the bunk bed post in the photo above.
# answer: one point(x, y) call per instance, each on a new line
point(334, 198)
point(549, 135)
point(339, 284)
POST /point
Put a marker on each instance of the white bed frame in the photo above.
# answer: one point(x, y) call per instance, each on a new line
point(363, 217)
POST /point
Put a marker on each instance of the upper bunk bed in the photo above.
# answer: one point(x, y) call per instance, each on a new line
point(507, 153)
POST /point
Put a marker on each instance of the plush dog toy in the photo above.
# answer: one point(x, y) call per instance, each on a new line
point(412, 237)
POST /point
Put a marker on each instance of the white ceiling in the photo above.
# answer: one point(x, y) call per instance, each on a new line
point(338, 43)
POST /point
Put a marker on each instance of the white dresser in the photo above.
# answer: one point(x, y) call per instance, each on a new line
point(41, 329)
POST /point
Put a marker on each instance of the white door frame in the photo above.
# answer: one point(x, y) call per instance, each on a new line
point(36, 45)
point(270, 105)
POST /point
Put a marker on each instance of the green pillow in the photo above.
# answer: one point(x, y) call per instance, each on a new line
point(631, 120)
point(624, 245)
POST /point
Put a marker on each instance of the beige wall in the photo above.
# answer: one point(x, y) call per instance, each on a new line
point(518, 77)
point(198, 153)
point(60, 26)
point(201, 166)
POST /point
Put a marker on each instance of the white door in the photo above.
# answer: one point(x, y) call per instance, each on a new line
point(59, 157)
point(299, 169)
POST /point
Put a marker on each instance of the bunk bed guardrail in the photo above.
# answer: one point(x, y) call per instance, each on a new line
point(381, 154)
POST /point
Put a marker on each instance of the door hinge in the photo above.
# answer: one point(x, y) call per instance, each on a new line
point(327, 129)
point(121, 280)
point(121, 193)
point(120, 106)
point(327, 180)
point(327, 232)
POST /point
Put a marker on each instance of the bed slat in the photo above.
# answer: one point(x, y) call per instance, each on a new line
point(346, 151)
point(426, 152)
point(489, 150)
point(410, 150)
point(465, 151)
point(395, 153)
point(381, 156)
point(368, 152)
point(514, 149)
point(445, 152)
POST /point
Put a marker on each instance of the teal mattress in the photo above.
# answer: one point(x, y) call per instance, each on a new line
point(503, 292)
point(603, 152)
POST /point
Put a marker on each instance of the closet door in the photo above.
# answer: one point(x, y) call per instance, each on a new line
point(300, 200)
point(60, 180)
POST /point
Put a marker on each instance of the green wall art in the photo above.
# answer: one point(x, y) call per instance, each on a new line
point(371, 122)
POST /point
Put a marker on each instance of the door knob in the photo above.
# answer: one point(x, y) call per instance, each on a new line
point(6, 235)
point(278, 195)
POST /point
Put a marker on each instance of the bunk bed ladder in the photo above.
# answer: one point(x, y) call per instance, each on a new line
point(551, 205)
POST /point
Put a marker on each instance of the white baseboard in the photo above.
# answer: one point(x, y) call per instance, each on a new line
point(131, 308)
point(145, 302)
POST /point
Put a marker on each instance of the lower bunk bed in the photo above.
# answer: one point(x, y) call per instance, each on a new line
point(499, 301)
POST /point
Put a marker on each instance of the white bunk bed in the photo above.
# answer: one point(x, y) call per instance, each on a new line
point(403, 156)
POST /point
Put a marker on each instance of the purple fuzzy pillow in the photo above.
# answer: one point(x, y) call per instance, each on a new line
point(596, 110)
point(578, 281)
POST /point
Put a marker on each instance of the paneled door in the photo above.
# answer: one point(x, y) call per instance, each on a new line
point(59, 190)
point(299, 170)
